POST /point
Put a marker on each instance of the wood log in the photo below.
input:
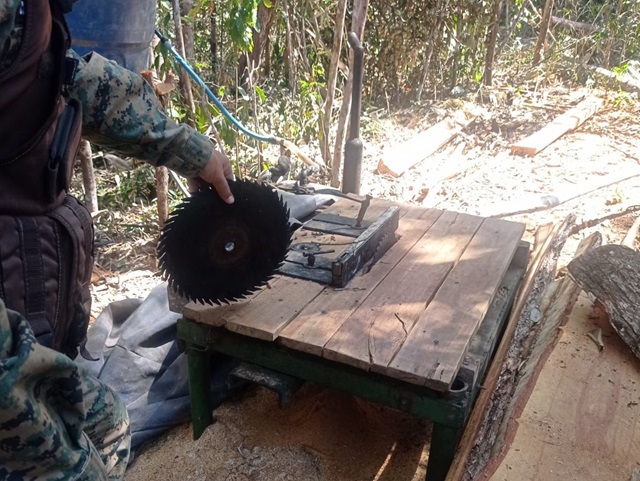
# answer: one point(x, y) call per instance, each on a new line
point(475, 447)
point(625, 82)
point(566, 122)
point(544, 28)
point(580, 421)
point(397, 160)
point(575, 27)
point(611, 274)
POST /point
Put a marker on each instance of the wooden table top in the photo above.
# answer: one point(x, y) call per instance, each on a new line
point(410, 317)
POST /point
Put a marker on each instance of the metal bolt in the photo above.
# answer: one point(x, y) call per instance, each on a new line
point(311, 260)
point(229, 246)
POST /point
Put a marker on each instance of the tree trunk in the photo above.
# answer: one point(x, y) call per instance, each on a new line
point(288, 49)
point(185, 81)
point(440, 9)
point(331, 81)
point(544, 28)
point(459, 28)
point(266, 16)
point(213, 44)
point(88, 176)
point(357, 26)
point(491, 42)
point(162, 189)
point(187, 32)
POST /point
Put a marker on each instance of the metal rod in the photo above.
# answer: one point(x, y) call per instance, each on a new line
point(353, 148)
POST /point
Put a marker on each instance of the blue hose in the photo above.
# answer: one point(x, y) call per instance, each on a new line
point(263, 138)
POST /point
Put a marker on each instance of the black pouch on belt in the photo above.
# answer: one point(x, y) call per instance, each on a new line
point(64, 147)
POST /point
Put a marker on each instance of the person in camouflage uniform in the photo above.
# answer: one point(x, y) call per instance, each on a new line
point(121, 112)
point(57, 421)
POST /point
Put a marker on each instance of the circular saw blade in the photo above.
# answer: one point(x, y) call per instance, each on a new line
point(213, 252)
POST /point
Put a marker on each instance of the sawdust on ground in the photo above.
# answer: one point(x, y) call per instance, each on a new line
point(320, 435)
point(323, 435)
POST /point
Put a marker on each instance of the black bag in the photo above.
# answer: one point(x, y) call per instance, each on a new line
point(45, 272)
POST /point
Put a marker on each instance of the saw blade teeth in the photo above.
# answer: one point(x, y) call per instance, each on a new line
point(192, 249)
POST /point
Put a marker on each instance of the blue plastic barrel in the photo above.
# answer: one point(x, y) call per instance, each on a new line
point(120, 30)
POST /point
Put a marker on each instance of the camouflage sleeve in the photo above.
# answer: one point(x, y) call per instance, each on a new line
point(8, 36)
point(8, 9)
point(56, 421)
point(121, 112)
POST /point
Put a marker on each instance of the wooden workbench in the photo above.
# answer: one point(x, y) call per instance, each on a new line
point(415, 331)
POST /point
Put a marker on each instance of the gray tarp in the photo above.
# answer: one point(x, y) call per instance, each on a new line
point(134, 342)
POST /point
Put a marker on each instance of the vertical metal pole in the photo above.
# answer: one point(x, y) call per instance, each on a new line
point(353, 148)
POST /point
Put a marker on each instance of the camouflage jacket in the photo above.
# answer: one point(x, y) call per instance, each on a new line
point(56, 421)
point(120, 110)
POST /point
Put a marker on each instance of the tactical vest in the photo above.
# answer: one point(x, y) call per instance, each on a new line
point(46, 235)
point(39, 128)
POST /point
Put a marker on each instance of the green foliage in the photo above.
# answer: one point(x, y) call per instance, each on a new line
point(128, 187)
point(241, 20)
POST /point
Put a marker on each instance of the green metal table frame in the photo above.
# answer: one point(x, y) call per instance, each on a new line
point(448, 411)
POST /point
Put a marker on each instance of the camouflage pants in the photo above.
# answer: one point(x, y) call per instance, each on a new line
point(56, 421)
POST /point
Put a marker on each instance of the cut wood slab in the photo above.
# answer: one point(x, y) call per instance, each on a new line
point(561, 125)
point(475, 448)
point(556, 305)
point(611, 273)
point(581, 420)
point(397, 160)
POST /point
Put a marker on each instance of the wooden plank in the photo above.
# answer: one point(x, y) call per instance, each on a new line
point(317, 323)
point(433, 351)
point(397, 160)
point(220, 315)
point(265, 316)
point(374, 332)
point(557, 128)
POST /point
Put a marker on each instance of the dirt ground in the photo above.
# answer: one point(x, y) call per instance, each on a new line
point(323, 435)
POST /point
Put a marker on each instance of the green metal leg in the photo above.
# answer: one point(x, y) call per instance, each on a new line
point(444, 441)
point(199, 388)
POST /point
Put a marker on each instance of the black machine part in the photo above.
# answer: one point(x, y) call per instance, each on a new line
point(213, 252)
point(353, 148)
